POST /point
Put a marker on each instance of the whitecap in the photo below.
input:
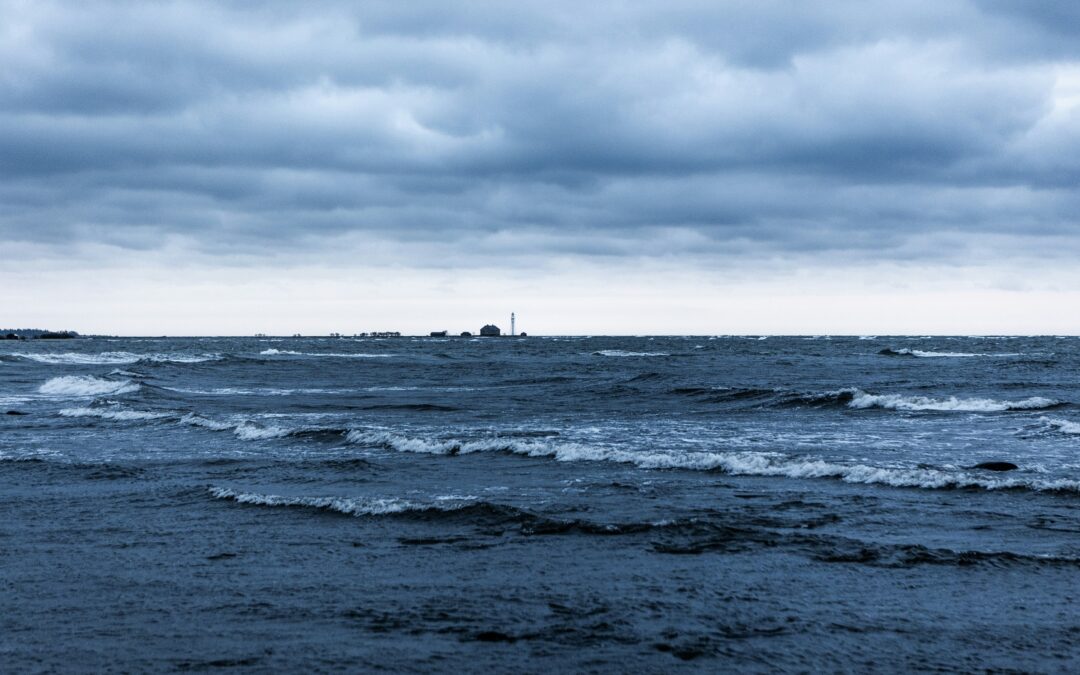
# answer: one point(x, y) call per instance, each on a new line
point(74, 358)
point(923, 354)
point(125, 373)
point(237, 391)
point(288, 352)
point(86, 385)
point(246, 431)
point(620, 352)
point(733, 463)
point(205, 422)
point(353, 506)
point(1064, 426)
point(113, 358)
point(863, 400)
point(113, 414)
point(769, 464)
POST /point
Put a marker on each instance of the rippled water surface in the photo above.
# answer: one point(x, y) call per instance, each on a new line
point(643, 504)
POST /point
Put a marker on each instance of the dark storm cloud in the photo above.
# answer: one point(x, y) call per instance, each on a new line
point(475, 128)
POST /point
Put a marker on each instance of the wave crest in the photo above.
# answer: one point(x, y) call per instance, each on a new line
point(113, 414)
point(113, 358)
point(86, 385)
point(246, 431)
point(1061, 426)
point(919, 353)
point(352, 506)
point(863, 400)
point(288, 352)
point(733, 463)
point(858, 399)
point(620, 352)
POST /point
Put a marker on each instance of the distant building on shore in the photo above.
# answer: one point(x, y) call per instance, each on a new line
point(490, 330)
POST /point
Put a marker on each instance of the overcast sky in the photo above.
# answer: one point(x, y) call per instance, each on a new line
point(755, 166)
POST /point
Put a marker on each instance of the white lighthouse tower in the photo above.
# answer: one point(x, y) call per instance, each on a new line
point(512, 331)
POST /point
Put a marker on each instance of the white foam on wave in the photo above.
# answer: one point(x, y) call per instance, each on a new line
point(353, 506)
point(205, 422)
point(445, 446)
point(238, 391)
point(767, 464)
point(86, 385)
point(125, 373)
point(746, 463)
point(620, 352)
point(863, 400)
point(288, 352)
point(1064, 426)
point(114, 358)
point(114, 414)
point(246, 431)
point(922, 354)
point(181, 358)
point(74, 358)
point(560, 451)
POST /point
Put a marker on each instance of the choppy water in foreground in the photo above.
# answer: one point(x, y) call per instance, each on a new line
point(642, 504)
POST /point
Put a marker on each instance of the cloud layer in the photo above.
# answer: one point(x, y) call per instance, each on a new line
point(773, 123)
point(436, 135)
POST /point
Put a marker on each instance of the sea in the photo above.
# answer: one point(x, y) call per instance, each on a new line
point(540, 504)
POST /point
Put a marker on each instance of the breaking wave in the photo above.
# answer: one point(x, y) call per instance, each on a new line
point(119, 372)
point(852, 397)
point(352, 506)
point(732, 463)
point(918, 353)
point(1061, 426)
point(247, 431)
point(287, 352)
point(863, 400)
point(114, 358)
point(391, 441)
point(766, 464)
point(471, 508)
point(114, 414)
point(205, 422)
point(619, 352)
point(86, 385)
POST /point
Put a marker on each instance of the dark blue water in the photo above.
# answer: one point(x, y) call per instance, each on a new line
point(642, 504)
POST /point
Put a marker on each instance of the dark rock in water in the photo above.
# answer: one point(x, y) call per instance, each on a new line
point(15, 412)
point(466, 334)
point(10, 336)
point(438, 333)
point(493, 636)
point(996, 466)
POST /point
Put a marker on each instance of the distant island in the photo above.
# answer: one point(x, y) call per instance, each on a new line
point(36, 334)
